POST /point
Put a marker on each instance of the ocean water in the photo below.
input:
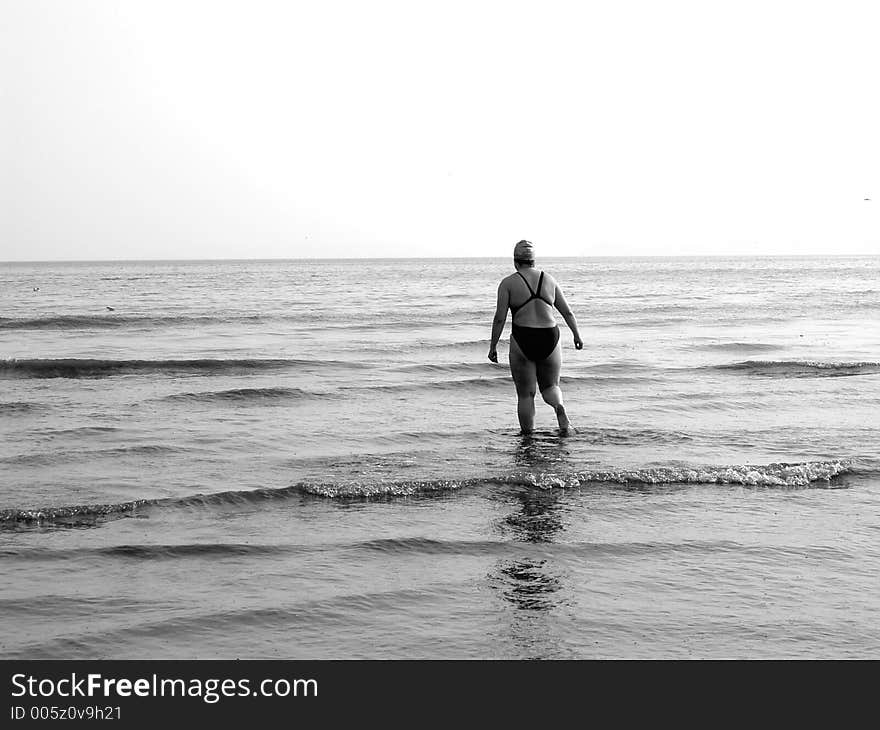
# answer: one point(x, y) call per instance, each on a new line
point(315, 459)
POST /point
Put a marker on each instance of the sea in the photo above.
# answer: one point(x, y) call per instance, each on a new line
point(314, 459)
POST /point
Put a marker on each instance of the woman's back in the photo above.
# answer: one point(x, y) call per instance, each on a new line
point(532, 294)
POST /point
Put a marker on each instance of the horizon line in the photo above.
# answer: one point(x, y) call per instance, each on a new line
point(433, 258)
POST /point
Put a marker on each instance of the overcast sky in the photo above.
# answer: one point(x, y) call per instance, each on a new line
point(261, 129)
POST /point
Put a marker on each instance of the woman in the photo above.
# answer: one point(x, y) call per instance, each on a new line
point(535, 349)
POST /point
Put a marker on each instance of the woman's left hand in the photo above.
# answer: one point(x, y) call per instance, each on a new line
point(493, 355)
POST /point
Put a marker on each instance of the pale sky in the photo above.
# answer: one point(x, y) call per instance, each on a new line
point(257, 129)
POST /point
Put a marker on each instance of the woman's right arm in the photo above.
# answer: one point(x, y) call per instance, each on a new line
point(498, 321)
point(568, 315)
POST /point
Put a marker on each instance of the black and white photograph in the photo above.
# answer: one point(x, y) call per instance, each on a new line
point(439, 331)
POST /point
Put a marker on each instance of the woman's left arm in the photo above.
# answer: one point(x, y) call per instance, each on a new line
point(562, 305)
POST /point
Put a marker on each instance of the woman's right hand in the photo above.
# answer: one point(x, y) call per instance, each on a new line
point(493, 355)
point(578, 343)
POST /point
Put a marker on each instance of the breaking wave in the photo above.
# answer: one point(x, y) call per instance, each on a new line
point(769, 475)
point(72, 513)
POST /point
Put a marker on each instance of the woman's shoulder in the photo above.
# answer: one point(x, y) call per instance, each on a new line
point(548, 276)
point(516, 277)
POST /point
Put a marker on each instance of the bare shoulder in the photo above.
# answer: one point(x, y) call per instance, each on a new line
point(549, 277)
point(507, 281)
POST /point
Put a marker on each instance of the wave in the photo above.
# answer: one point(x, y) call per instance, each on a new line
point(139, 450)
point(152, 551)
point(769, 475)
point(282, 394)
point(54, 457)
point(626, 437)
point(87, 512)
point(244, 395)
point(461, 344)
point(618, 367)
point(11, 408)
point(735, 347)
point(801, 368)
point(396, 546)
point(617, 372)
point(424, 545)
point(637, 320)
point(451, 368)
point(97, 368)
point(113, 321)
point(77, 431)
point(92, 512)
point(385, 325)
point(473, 383)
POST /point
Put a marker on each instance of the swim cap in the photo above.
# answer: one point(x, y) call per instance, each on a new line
point(524, 251)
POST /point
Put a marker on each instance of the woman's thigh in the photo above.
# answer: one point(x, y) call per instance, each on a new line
point(548, 369)
point(522, 369)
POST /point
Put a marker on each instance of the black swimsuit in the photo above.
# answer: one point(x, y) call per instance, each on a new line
point(536, 343)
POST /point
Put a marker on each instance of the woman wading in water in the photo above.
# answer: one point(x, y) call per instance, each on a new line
point(535, 350)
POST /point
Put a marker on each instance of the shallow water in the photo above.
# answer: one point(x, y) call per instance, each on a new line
point(315, 459)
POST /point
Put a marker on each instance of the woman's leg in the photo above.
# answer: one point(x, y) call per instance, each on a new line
point(548, 371)
point(524, 378)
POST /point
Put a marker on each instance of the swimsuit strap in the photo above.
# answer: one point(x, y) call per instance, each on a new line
point(531, 291)
point(534, 294)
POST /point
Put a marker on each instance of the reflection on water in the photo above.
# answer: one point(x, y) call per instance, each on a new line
point(538, 518)
point(540, 451)
point(531, 582)
point(528, 585)
point(532, 585)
